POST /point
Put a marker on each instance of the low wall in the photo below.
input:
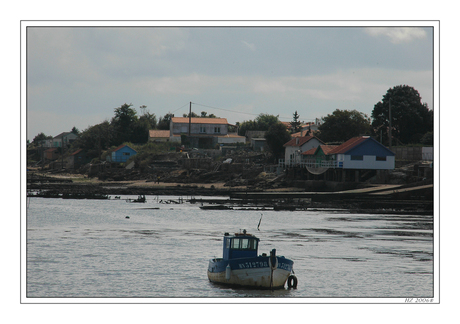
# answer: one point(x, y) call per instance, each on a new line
point(413, 153)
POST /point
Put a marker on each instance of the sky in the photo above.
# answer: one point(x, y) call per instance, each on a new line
point(78, 74)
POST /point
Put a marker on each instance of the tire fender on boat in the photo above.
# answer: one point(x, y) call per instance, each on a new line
point(292, 282)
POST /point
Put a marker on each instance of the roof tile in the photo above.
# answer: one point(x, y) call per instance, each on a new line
point(199, 120)
point(348, 145)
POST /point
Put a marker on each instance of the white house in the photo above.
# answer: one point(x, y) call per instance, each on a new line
point(298, 145)
point(203, 131)
point(63, 139)
point(363, 152)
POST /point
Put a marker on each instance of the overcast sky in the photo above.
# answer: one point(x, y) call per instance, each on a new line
point(77, 76)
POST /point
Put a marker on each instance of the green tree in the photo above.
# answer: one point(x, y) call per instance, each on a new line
point(141, 127)
point(260, 123)
point(123, 123)
point(75, 131)
point(342, 125)
point(245, 126)
point(295, 123)
point(164, 122)
point(193, 114)
point(150, 120)
point(95, 139)
point(427, 139)
point(40, 137)
point(410, 119)
point(276, 136)
point(265, 121)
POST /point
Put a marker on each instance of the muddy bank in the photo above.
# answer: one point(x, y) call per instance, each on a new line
point(386, 199)
point(130, 189)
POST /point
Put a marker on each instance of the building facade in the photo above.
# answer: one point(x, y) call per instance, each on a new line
point(121, 154)
point(203, 132)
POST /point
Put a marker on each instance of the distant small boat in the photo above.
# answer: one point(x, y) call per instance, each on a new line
point(216, 207)
point(140, 199)
point(240, 265)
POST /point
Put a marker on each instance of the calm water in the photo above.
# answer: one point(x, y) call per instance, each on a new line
point(87, 248)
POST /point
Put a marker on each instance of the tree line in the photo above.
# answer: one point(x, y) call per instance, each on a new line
point(411, 122)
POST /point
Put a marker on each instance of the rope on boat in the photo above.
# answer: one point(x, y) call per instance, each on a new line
point(273, 264)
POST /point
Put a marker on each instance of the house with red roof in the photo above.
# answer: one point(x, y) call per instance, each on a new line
point(77, 159)
point(359, 153)
point(364, 152)
point(121, 154)
point(319, 156)
point(297, 146)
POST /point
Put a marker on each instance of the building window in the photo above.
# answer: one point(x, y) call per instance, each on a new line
point(202, 129)
point(126, 153)
point(216, 129)
point(356, 157)
point(380, 158)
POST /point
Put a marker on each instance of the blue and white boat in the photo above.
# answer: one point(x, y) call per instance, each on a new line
point(241, 266)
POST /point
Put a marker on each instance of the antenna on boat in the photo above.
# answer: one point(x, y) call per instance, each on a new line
point(259, 221)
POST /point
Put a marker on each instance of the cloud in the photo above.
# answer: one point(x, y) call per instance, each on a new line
point(76, 73)
point(397, 35)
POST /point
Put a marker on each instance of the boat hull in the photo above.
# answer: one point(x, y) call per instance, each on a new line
point(250, 272)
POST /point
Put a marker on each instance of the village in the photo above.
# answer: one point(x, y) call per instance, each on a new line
point(201, 157)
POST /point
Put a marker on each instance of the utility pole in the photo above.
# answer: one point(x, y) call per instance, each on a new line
point(190, 120)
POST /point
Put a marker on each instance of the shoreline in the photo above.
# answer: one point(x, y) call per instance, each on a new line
point(382, 199)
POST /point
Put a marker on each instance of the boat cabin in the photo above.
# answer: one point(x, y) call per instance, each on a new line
point(241, 245)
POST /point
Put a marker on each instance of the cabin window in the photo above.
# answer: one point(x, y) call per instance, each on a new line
point(380, 158)
point(126, 153)
point(356, 157)
point(244, 244)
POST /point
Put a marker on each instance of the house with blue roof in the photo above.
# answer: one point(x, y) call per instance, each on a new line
point(363, 153)
point(357, 159)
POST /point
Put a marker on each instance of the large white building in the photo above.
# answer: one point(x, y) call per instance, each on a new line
point(203, 131)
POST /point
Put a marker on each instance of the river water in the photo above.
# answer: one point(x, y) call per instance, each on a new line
point(89, 249)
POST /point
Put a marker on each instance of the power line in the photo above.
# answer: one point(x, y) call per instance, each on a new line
point(233, 111)
point(239, 112)
point(180, 108)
